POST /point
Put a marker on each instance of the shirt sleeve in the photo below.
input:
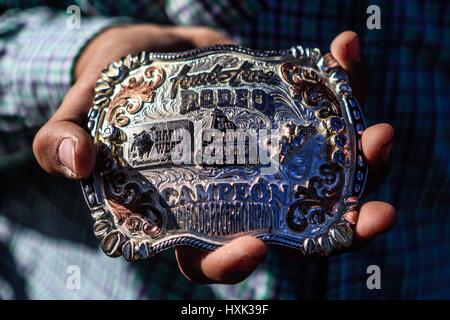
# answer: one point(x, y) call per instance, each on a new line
point(38, 50)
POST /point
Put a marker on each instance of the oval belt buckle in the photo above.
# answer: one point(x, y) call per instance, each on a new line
point(199, 147)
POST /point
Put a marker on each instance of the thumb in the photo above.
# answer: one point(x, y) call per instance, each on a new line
point(62, 146)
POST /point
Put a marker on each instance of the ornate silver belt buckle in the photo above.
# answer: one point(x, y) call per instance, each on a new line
point(200, 147)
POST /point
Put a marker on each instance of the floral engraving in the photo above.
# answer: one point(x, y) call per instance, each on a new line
point(130, 98)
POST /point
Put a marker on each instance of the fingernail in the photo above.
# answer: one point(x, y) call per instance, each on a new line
point(385, 152)
point(354, 49)
point(66, 154)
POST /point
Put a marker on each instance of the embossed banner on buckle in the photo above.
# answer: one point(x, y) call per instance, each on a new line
point(153, 144)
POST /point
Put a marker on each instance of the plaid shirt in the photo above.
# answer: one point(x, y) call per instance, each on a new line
point(45, 227)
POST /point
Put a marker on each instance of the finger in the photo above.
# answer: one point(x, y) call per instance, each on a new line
point(62, 146)
point(346, 49)
point(374, 217)
point(377, 143)
point(202, 36)
point(376, 146)
point(229, 264)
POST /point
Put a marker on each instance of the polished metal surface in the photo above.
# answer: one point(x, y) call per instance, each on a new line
point(199, 147)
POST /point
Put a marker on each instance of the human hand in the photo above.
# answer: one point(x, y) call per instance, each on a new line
point(63, 147)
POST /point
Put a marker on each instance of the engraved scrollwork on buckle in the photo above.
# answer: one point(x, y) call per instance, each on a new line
point(131, 95)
